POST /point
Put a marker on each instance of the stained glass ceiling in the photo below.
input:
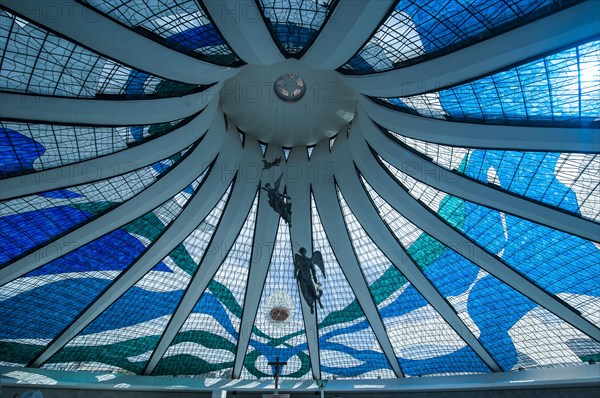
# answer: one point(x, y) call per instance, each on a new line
point(36, 61)
point(415, 30)
point(180, 24)
point(378, 253)
point(561, 88)
point(296, 23)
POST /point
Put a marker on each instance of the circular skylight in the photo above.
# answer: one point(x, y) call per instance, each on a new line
point(423, 202)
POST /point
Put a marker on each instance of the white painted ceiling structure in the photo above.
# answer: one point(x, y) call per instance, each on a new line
point(442, 158)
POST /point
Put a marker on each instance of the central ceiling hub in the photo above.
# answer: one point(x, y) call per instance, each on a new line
point(288, 103)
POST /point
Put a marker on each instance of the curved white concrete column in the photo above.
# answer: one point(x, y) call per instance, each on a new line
point(242, 25)
point(231, 222)
point(362, 207)
point(104, 112)
point(114, 164)
point(350, 26)
point(458, 185)
point(207, 196)
point(487, 136)
point(389, 189)
point(265, 235)
point(98, 32)
point(298, 188)
point(165, 188)
point(333, 223)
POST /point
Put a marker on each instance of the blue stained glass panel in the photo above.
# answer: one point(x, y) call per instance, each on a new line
point(123, 336)
point(205, 344)
point(419, 30)
point(36, 61)
point(511, 334)
point(179, 24)
point(562, 264)
point(424, 342)
point(348, 347)
point(199, 349)
point(31, 221)
point(66, 286)
point(18, 152)
point(569, 181)
point(28, 147)
point(562, 89)
point(295, 23)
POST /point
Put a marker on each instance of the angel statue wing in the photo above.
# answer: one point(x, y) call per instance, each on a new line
point(317, 259)
point(278, 182)
point(297, 267)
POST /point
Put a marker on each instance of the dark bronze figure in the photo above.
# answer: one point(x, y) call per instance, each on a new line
point(279, 202)
point(275, 162)
point(305, 273)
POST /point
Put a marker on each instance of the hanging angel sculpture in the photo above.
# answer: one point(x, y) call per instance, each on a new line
point(305, 273)
point(279, 202)
point(267, 165)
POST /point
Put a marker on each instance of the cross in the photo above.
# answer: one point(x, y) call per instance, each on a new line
point(277, 365)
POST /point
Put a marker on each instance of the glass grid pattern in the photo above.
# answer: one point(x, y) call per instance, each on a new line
point(28, 147)
point(66, 286)
point(562, 264)
point(272, 339)
point(295, 23)
point(31, 221)
point(179, 24)
point(348, 347)
point(424, 342)
point(570, 181)
point(122, 338)
point(35, 61)
point(561, 89)
point(474, 294)
point(419, 30)
point(206, 344)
